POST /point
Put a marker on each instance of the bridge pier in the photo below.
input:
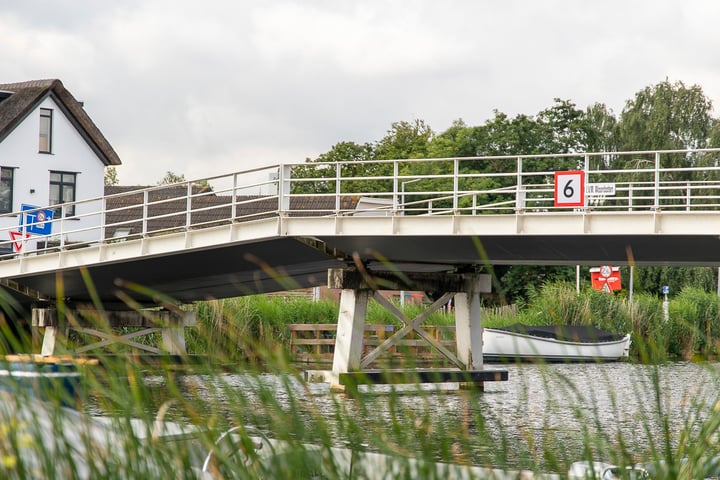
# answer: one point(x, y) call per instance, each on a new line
point(88, 321)
point(350, 368)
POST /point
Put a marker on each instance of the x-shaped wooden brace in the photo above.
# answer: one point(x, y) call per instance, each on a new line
point(411, 325)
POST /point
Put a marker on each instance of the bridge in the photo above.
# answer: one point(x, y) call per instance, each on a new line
point(408, 223)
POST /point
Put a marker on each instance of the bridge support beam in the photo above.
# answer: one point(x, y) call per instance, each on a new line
point(468, 322)
point(88, 321)
point(350, 367)
point(351, 328)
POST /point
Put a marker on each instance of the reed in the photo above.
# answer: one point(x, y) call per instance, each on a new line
point(548, 417)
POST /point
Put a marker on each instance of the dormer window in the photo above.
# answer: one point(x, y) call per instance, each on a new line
point(46, 130)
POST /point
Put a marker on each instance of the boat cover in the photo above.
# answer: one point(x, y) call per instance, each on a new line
point(566, 333)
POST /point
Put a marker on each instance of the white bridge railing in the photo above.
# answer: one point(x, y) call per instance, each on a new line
point(679, 180)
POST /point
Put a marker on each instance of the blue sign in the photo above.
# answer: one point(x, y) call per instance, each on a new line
point(665, 289)
point(35, 220)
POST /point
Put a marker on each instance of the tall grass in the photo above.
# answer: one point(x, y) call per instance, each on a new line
point(544, 418)
point(692, 327)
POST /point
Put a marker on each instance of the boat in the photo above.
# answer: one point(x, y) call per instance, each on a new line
point(605, 471)
point(553, 343)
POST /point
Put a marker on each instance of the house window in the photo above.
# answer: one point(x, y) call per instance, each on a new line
point(62, 190)
point(45, 130)
point(6, 189)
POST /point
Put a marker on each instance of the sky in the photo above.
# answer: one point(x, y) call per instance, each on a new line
point(204, 88)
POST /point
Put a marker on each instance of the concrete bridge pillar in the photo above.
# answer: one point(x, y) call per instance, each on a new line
point(350, 331)
point(468, 321)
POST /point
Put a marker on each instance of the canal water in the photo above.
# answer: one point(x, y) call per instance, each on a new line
point(543, 416)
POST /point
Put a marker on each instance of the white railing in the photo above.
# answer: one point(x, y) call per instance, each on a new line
point(679, 180)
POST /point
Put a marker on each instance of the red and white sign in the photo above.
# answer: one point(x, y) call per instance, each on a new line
point(18, 244)
point(605, 278)
point(570, 188)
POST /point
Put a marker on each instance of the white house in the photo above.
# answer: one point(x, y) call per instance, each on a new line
point(51, 153)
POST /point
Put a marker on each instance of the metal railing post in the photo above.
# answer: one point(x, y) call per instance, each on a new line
point(519, 188)
point(456, 183)
point(233, 205)
point(62, 227)
point(103, 219)
point(586, 169)
point(396, 172)
point(338, 187)
point(188, 207)
point(657, 181)
point(284, 188)
point(145, 213)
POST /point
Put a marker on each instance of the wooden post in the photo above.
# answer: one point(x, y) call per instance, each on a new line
point(56, 330)
point(54, 335)
point(173, 337)
point(350, 332)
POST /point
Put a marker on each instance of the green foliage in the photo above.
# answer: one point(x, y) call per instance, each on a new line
point(558, 304)
point(652, 279)
point(224, 324)
point(171, 177)
point(649, 328)
point(111, 176)
point(519, 283)
point(405, 140)
point(695, 326)
point(666, 116)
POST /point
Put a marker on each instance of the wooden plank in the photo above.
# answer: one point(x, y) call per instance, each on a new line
point(371, 377)
point(30, 358)
point(311, 327)
point(313, 341)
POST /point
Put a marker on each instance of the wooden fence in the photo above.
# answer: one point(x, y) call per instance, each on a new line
point(316, 342)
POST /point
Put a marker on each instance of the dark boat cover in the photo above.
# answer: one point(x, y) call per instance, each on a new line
point(566, 333)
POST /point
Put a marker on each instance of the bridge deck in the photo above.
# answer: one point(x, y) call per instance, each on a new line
point(191, 243)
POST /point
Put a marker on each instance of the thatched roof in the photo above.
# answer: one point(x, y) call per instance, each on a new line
point(17, 100)
point(167, 207)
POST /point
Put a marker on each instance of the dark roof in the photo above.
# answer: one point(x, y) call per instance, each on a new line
point(27, 95)
point(167, 207)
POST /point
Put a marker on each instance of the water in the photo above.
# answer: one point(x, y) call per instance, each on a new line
point(540, 417)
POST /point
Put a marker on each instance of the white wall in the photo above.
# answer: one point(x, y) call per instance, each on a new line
point(70, 153)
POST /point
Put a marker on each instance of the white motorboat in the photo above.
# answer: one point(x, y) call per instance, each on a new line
point(554, 343)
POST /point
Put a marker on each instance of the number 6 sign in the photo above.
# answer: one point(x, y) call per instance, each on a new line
point(570, 189)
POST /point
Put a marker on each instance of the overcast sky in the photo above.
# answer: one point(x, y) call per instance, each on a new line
point(216, 86)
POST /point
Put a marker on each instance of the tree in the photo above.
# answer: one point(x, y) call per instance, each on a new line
point(405, 140)
point(340, 152)
point(111, 176)
point(171, 177)
point(566, 128)
point(457, 141)
point(603, 129)
point(666, 116)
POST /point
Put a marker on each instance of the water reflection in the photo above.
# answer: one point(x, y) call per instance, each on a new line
point(541, 416)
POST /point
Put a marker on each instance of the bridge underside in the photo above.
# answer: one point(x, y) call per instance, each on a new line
point(236, 269)
point(639, 250)
point(187, 276)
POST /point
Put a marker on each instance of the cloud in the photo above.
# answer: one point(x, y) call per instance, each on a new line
point(211, 87)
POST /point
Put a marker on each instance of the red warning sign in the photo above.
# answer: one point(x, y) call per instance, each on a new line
point(18, 244)
point(605, 278)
